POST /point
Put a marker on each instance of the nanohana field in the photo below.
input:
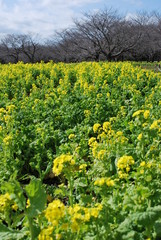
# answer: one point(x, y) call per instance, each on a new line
point(80, 151)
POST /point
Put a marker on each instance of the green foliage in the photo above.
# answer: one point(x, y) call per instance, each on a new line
point(37, 198)
point(80, 151)
point(7, 233)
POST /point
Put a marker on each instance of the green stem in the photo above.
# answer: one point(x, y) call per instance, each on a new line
point(31, 228)
point(71, 191)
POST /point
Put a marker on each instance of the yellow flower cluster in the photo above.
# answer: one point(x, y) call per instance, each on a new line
point(146, 165)
point(4, 201)
point(107, 138)
point(82, 167)
point(123, 164)
point(91, 141)
point(146, 114)
point(106, 126)
point(96, 127)
point(45, 234)
point(7, 140)
point(28, 203)
point(2, 111)
point(101, 154)
point(71, 136)
point(104, 181)
point(60, 161)
point(10, 108)
point(125, 161)
point(137, 113)
point(80, 215)
point(140, 136)
point(54, 212)
point(143, 166)
point(95, 146)
point(155, 125)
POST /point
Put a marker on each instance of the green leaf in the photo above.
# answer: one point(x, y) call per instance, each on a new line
point(8, 234)
point(124, 226)
point(37, 196)
point(80, 182)
point(149, 217)
point(86, 198)
point(157, 227)
point(131, 235)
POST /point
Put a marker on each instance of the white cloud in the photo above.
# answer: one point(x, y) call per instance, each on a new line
point(43, 16)
point(130, 16)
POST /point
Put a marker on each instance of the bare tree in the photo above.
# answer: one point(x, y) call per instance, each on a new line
point(30, 47)
point(11, 45)
point(21, 48)
point(109, 34)
point(104, 35)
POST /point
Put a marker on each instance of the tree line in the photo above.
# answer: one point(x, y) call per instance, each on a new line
point(99, 36)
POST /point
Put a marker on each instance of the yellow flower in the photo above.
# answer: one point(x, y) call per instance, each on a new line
point(91, 141)
point(91, 88)
point(7, 140)
point(100, 182)
point(149, 164)
point(125, 161)
point(140, 136)
point(59, 163)
point(72, 162)
point(110, 183)
point(101, 154)
point(45, 234)
point(96, 127)
point(102, 136)
point(154, 125)
point(127, 169)
point(4, 201)
point(71, 136)
point(106, 126)
point(122, 175)
point(86, 216)
point(94, 149)
point(137, 113)
point(83, 166)
point(119, 133)
point(142, 171)
point(55, 211)
point(10, 107)
point(2, 110)
point(28, 203)
point(146, 114)
point(94, 212)
point(142, 164)
point(15, 207)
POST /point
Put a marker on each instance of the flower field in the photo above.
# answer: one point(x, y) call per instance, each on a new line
point(80, 151)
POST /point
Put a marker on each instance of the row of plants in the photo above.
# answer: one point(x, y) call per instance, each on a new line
point(80, 151)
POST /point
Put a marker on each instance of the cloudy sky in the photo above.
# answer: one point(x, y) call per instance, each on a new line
point(45, 16)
